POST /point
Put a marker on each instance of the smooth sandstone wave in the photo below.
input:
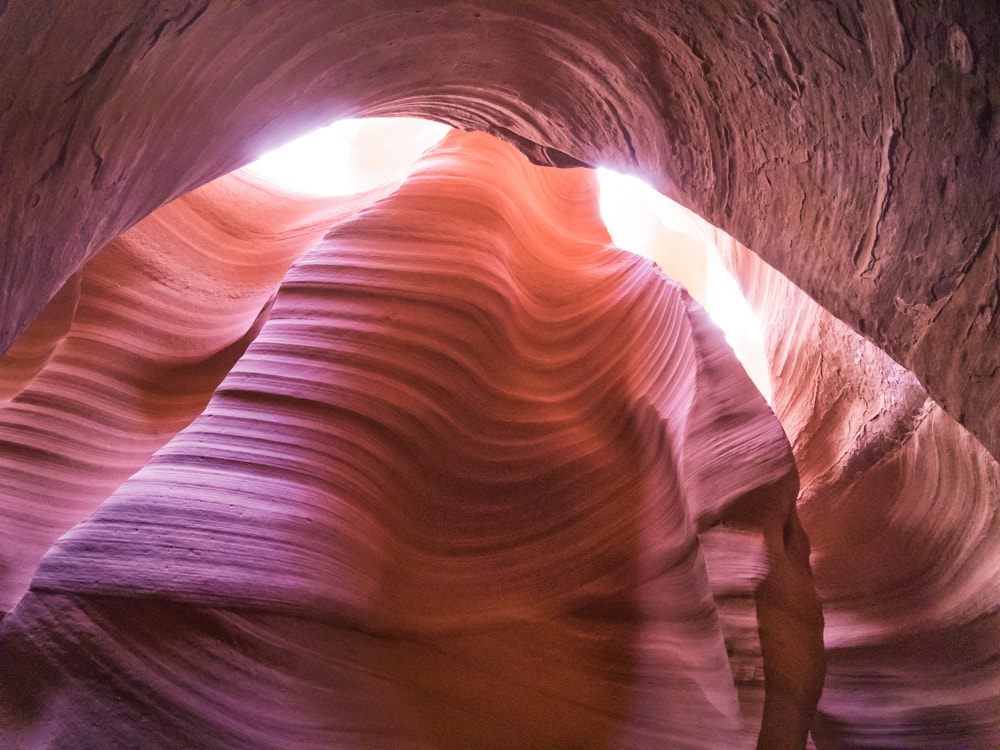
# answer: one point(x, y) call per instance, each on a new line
point(449, 496)
point(130, 352)
point(901, 506)
point(855, 146)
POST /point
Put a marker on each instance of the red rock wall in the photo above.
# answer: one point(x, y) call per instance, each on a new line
point(854, 148)
point(131, 350)
point(451, 493)
point(900, 504)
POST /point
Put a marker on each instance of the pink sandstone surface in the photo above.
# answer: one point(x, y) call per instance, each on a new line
point(269, 468)
point(473, 452)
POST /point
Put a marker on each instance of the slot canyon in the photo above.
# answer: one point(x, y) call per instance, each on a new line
point(440, 461)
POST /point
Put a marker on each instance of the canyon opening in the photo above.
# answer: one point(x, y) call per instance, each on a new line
point(469, 450)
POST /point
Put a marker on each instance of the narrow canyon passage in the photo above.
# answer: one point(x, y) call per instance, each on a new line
point(467, 426)
point(426, 461)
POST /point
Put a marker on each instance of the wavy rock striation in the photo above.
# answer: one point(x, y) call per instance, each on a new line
point(902, 507)
point(130, 352)
point(856, 147)
point(449, 496)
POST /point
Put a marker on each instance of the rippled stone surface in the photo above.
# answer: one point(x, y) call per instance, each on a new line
point(902, 507)
point(464, 464)
point(854, 148)
point(131, 350)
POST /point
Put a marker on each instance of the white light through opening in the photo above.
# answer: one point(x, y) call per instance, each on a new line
point(644, 222)
point(351, 156)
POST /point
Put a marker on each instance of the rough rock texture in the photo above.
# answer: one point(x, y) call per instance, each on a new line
point(450, 496)
point(855, 147)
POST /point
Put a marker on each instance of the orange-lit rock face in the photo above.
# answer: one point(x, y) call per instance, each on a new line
point(131, 350)
point(854, 147)
point(451, 493)
point(901, 507)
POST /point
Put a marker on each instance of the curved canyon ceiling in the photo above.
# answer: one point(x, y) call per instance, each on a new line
point(435, 464)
